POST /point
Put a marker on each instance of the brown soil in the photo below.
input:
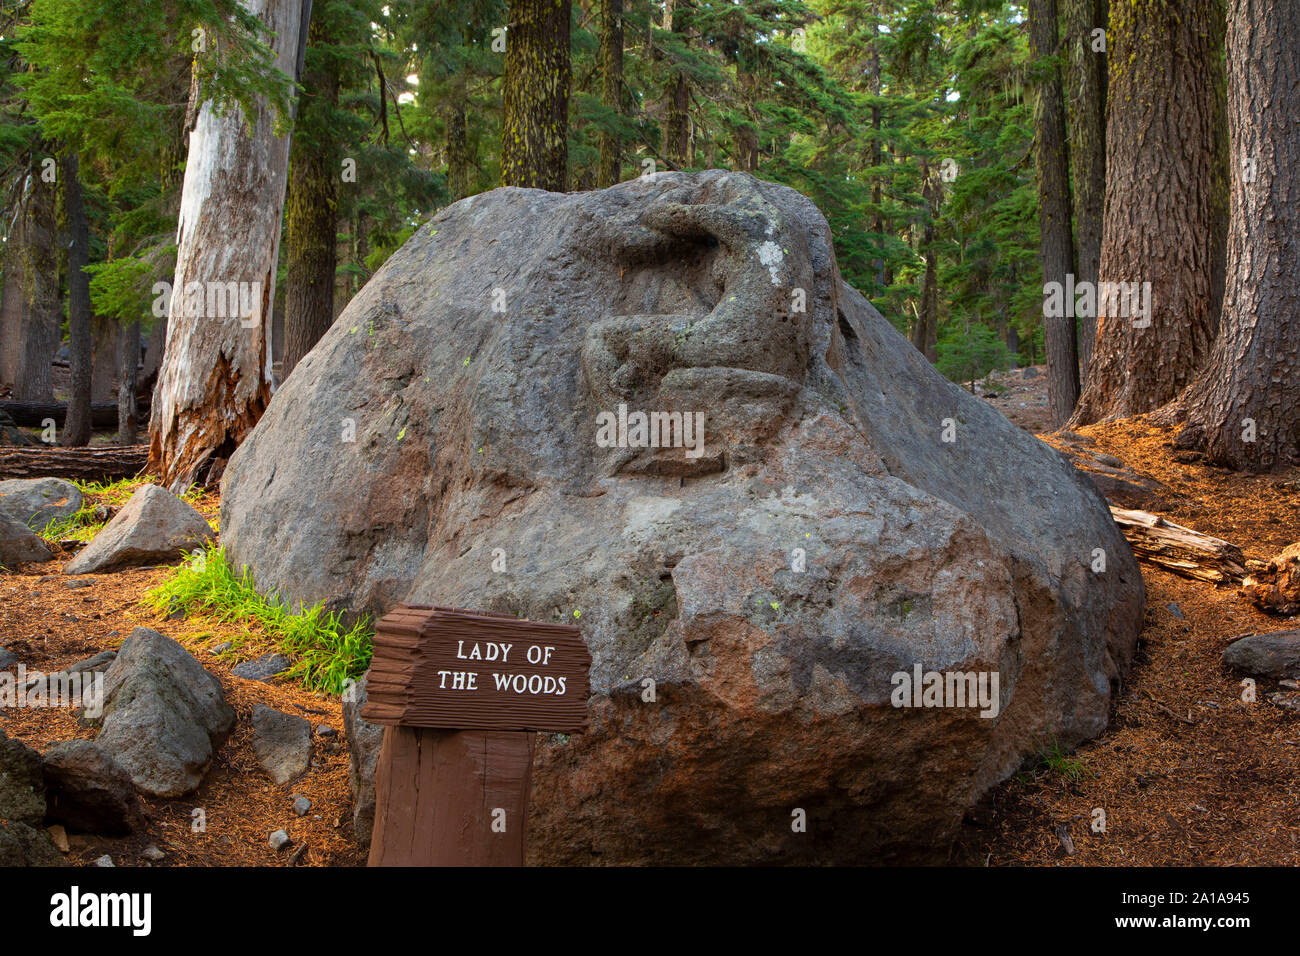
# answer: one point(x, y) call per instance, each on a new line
point(1188, 773)
point(50, 626)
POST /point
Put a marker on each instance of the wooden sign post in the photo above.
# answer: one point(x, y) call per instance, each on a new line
point(463, 694)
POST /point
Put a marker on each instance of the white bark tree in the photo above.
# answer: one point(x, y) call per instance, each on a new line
point(215, 379)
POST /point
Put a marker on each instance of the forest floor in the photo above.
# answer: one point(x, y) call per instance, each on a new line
point(1187, 773)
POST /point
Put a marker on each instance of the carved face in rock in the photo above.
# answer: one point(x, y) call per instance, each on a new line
point(702, 302)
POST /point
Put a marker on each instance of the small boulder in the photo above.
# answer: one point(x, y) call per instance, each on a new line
point(87, 791)
point(154, 526)
point(163, 714)
point(365, 740)
point(18, 545)
point(23, 841)
point(153, 854)
point(105, 860)
point(1273, 655)
point(301, 806)
point(39, 502)
point(282, 743)
point(8, 659)
point(279, 840)
point(262, 668)
point(22, 787)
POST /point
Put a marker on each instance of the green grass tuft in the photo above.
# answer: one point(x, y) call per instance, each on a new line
point(327, 651)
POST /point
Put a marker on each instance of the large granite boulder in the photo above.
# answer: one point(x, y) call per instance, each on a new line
point(849, 516)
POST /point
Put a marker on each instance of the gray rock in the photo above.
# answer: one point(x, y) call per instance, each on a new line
point(153, 854)
point(1176, 611)
point(325, 730)
point(221, 648)
point(282, 743)
point(262, 668)
point(301, 806)
point(79, 583)
point(163, 714)
point(18, 545)
point(39, 502)
point(1029, 372)
point(153, 527)
point(23, 839)
point(8, 659)
point(22, 787)
point(279, 840)
point(105, 860)
point(99, 662)
point(823, 431)
point(88, 791)
point(1266, 655)
point(365, 740)
point(24, 845)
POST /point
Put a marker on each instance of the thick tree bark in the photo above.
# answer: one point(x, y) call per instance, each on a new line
point(611, 89)
point(460, 157)
point(1243, 410)
point(35, 312)
point(1164, 197)
point(13, 307)
point(76, 429)
point(1086, 97)
point(535, 148)
point(215, 379)
point(1056, 243)
point(312, 218)
point(675, 129)
point(106, 336)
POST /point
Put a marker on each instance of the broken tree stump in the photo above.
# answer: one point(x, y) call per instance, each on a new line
point(1180, 550)
point(85, 464)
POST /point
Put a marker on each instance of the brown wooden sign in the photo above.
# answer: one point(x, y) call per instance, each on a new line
point(449, 668)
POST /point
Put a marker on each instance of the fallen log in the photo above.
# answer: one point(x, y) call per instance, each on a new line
point(1180, 550)
point(85, 464)
point(35, 414)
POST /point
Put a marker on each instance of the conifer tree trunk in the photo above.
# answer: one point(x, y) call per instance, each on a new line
point(1086, 97)
point(534, 149)
point(1164, 224)
point(128, 420)
point(1243, 410)
point(1056, 249)
point(32, 308)
point(76, 426)
point(312, 216)
point(460, 159)
point(611, 89)
point(676, 128)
